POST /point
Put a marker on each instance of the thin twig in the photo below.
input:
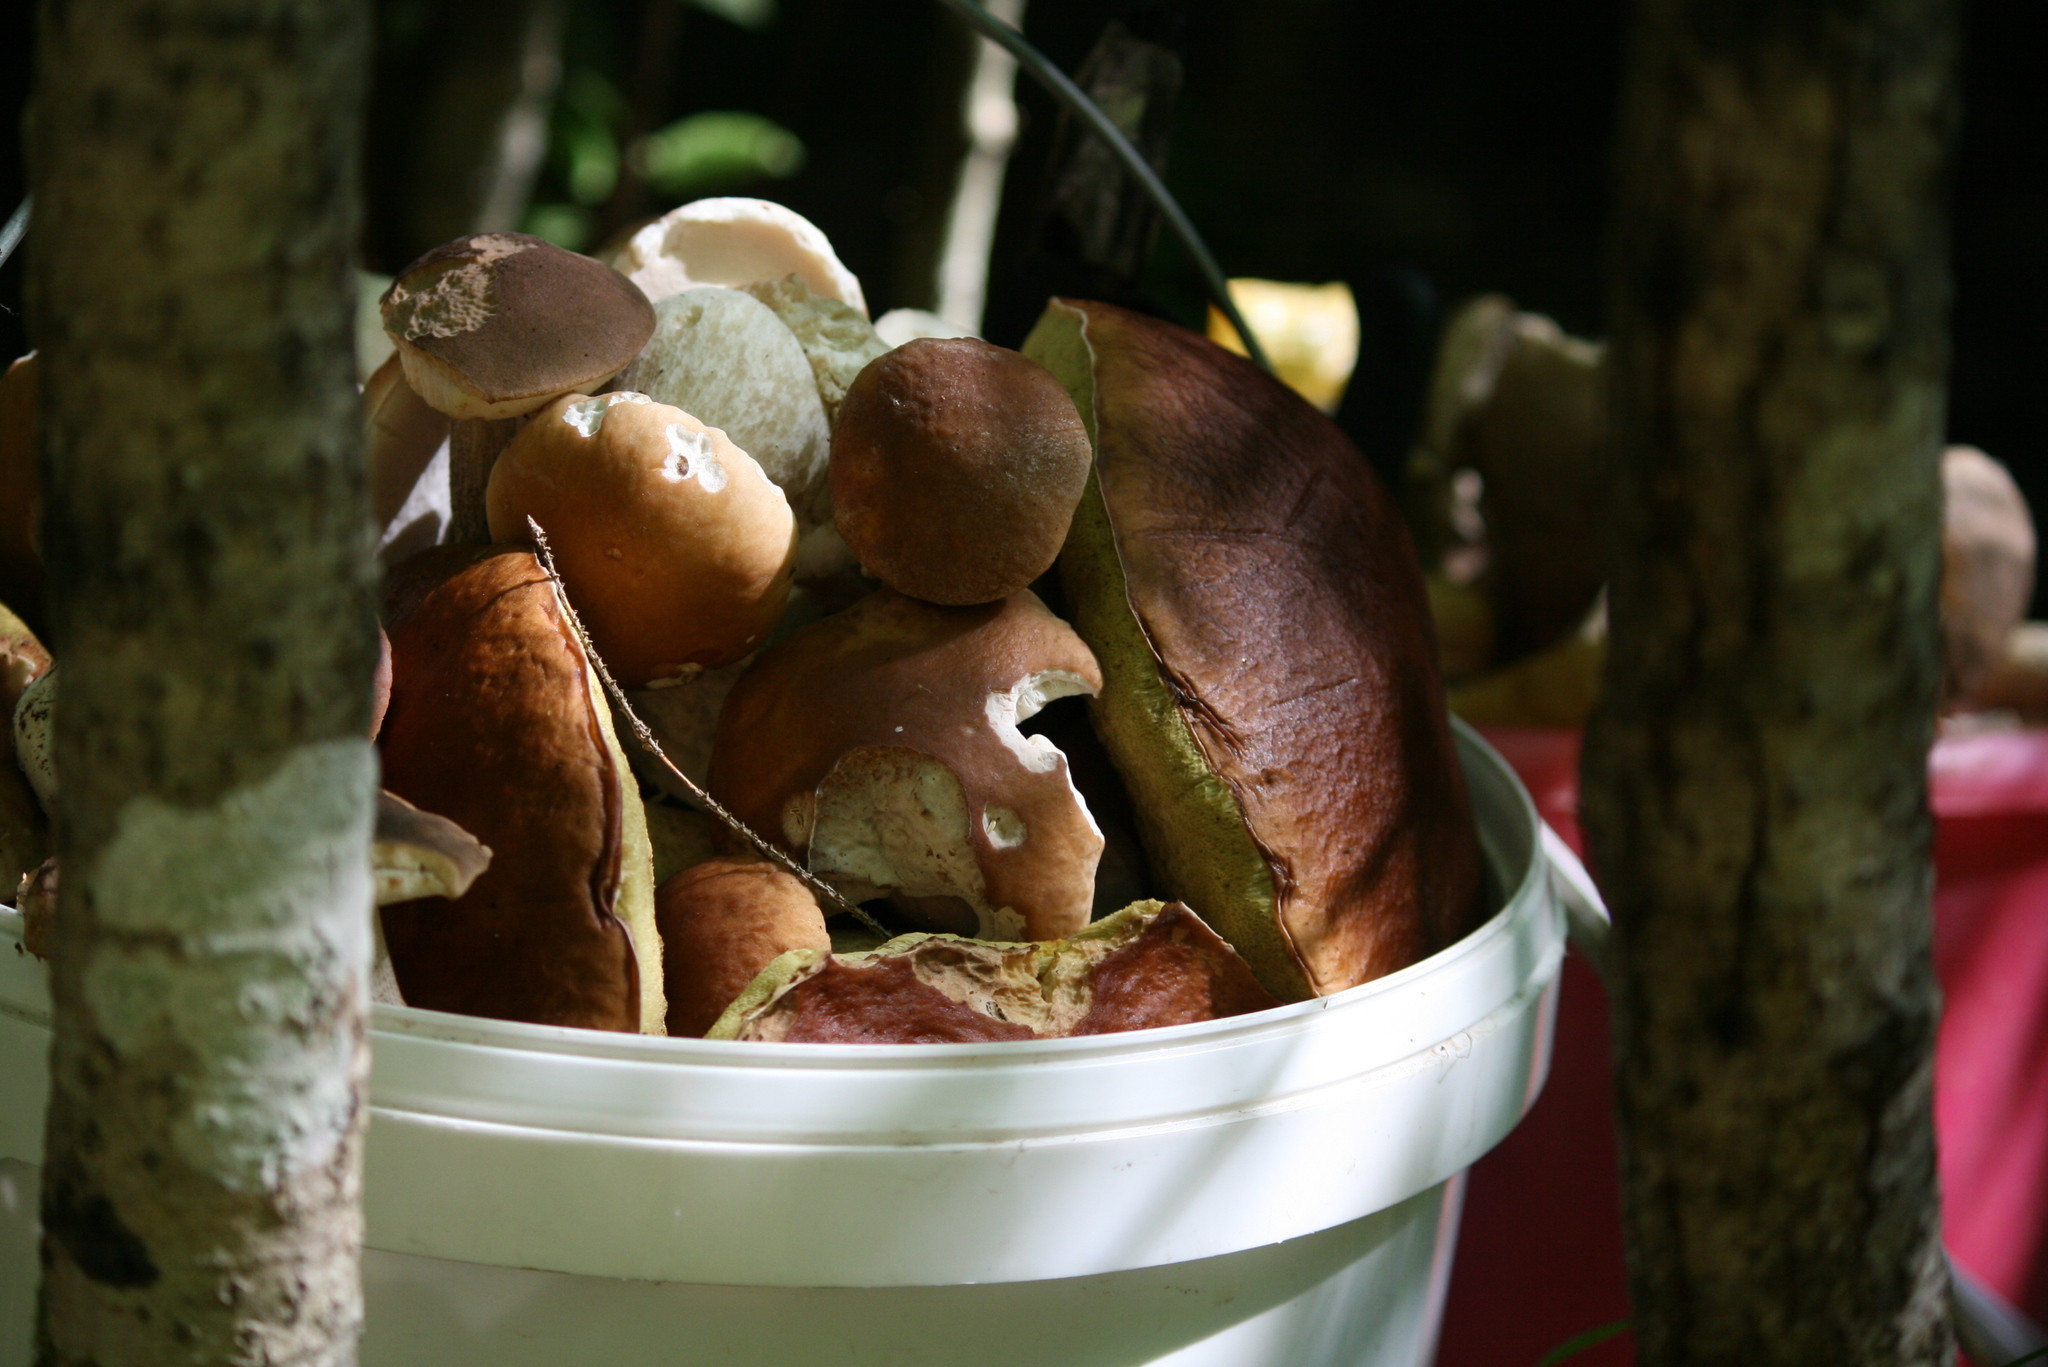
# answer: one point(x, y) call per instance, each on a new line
point(824, 891)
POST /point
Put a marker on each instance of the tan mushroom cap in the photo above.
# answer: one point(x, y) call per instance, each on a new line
point(881, 745)
point(722, 922)
point(956, 469)
point(675, 547)
point(497, 324)
point(1987, 567)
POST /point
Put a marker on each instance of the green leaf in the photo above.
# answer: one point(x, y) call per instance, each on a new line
point(748, 14)
point(566, 225)
point(718, 147)
point(1579, 1343)
point(593, 157)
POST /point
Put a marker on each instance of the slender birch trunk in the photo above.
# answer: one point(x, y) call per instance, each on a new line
point(1755, 777)
point(196, 207)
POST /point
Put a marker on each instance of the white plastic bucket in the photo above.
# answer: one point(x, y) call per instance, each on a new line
point(1274, 1190)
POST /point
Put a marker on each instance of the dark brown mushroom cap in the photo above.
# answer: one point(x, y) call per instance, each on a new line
point(891, 701)
point(1252, 594)
point(495, 325)
point(492, 725)
point(956, 467)
point(21, 558)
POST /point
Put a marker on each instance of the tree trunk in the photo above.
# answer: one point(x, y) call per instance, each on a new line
point(207, 537)
point(1755, 777)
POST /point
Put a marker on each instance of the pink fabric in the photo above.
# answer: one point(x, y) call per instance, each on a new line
point(1540, 1257)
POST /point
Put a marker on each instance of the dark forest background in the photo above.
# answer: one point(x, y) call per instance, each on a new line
point(1423, 153)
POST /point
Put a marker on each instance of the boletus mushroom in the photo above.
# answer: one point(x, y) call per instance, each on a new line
point(21, 558)
point(1270, 692)
point(956, 467)
point(492, 326)
point(735, 241)
point(722, 922)
point(881, 745)
point(675, 547)
point(1149, 965)
point(1987, 568)
point(725, 358)
point(497, 723)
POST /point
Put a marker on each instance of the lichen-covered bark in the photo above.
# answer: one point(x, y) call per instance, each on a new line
point(206, 534)
point(1755, 777)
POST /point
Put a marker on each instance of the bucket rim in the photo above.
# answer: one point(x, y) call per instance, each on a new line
point(1484, 769)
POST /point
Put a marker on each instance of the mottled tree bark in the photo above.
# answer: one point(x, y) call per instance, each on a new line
point(1755, 777)
point(195, 179)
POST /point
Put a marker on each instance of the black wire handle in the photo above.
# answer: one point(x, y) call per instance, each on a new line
point(1090, 113)
point(14, 229)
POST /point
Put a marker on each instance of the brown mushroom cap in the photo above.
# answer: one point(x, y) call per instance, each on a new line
point(956, 468)
point(676, 548)
point(21, 560)
point(496, 723)
point(497, 324)
point(881, 745)
point(1270, 697)
point(722, 922)
point(1152, 964)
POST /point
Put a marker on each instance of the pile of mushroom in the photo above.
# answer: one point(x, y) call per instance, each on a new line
point(822, 569)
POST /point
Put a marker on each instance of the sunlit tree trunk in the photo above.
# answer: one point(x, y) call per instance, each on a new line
point(1755, 778)
point(195, 184)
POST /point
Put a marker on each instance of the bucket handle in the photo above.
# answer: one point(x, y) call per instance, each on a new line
point(1585, 915)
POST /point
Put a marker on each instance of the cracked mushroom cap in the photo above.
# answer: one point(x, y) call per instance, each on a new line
point(1152, 964)
point(735, 241)
point(881, 745)
point(676, 548)
point(956, 469)
point(497, 324)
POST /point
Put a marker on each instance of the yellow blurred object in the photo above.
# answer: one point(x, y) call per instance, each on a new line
point(1309, 331)
point(1464, 627)
point(1553, 687)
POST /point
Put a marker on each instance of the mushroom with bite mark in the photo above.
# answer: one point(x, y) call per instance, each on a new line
point(675, 547)
point(881, 744)
point(490, 327)
point(956, 468)
point(735, 241)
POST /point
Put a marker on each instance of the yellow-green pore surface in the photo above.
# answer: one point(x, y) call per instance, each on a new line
point(1193, 826)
